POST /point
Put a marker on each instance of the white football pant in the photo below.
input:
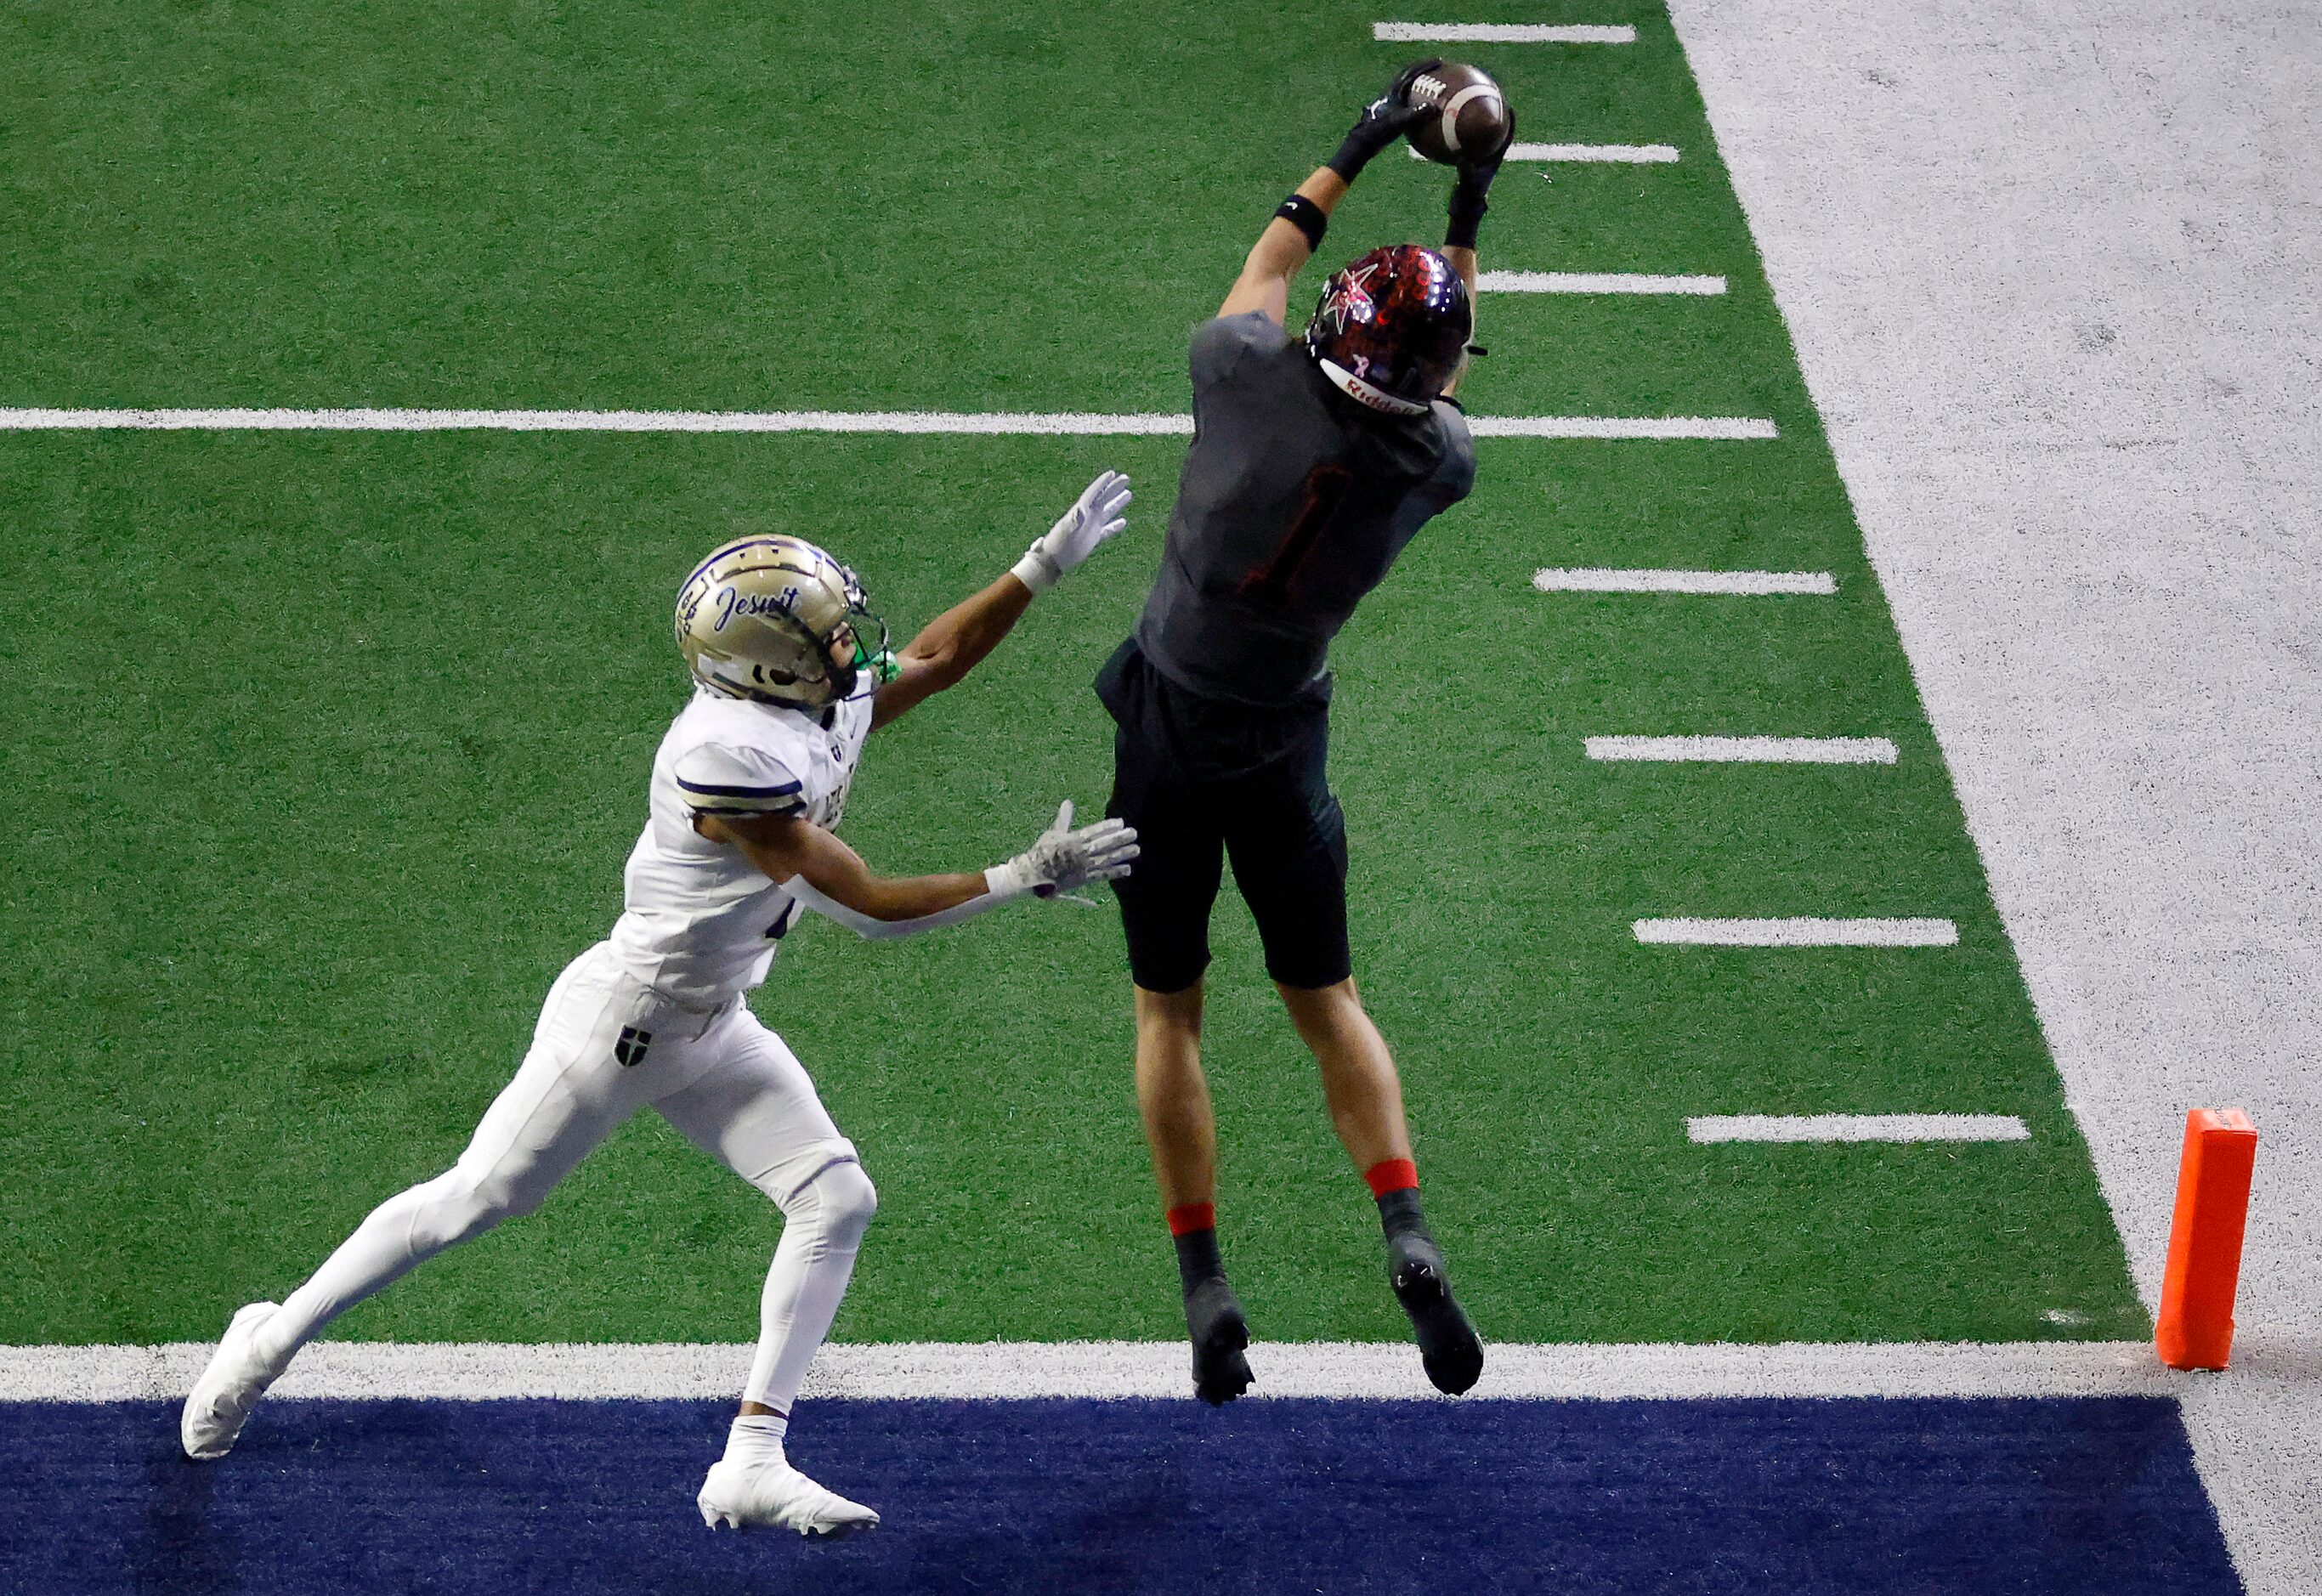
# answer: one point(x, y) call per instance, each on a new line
point(730, 1084)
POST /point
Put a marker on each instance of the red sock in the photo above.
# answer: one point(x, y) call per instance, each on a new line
point(1391, 1174)
point(1192, 1216)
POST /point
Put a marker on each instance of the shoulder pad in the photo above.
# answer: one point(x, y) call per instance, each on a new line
point(722, 778)
point(1220, 343)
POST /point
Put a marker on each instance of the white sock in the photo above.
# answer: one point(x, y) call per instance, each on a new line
point(756, 1439)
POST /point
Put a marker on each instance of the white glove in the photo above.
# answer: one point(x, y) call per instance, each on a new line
point(1095, 517)
point(1064, 859)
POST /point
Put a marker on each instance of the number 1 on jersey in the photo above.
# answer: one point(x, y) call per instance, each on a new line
point(1326, 494)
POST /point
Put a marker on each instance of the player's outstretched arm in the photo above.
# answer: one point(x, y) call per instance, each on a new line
point(832, 880)
point(1467, 207)
point(956, 640)
point(1287, 245)
point(950, 646)
point(1292, 237)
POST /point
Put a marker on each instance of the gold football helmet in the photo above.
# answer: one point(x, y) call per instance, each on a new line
point(776, 619)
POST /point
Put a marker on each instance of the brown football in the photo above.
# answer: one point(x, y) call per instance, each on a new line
point(1471, 113)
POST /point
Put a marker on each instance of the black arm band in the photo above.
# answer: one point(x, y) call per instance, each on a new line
point(1307, 217)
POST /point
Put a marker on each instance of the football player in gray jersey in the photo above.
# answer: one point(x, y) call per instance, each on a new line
point(1315, 460)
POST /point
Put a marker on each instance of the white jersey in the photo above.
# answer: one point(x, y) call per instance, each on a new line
point(700, 922)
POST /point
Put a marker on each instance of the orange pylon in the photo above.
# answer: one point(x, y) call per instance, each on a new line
point(2196, 1327)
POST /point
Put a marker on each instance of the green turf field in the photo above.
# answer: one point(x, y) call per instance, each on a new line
point(323, 751)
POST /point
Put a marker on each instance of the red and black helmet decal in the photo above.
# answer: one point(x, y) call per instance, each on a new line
point(1392, 327)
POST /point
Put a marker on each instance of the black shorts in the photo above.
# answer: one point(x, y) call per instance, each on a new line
point(1199, 779)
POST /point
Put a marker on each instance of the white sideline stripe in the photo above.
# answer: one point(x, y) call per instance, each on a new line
point(1801, 932)
point(1622, 154)
point(1731, 428)
point(1753, 583)
point(1594, 282)
point(1115, 1369)
point(1077, 424)
point(1797, 750)
point(1498, 33)
point(1857, 1127)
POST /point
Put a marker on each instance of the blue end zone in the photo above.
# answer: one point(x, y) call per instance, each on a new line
point(1757, 1497)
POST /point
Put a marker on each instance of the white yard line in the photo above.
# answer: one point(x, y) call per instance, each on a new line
point(1744, 583)
point(1856, 1128)
point(1071, 423)
point(1499, 34)
point(1795, 751)
point(1728, 428)
point(398, 420)
point(1116, 1369)
point(1801, 932)
point(1594, 282)
point(1614, 154)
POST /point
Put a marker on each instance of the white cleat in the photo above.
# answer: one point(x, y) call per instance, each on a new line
point(741, 1495)
point(228, 1389)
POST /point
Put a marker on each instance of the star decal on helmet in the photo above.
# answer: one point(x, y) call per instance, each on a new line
point(1349, 298)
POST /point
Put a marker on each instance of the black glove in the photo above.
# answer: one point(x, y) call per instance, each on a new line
point(1467, 192)
point(1383, 121)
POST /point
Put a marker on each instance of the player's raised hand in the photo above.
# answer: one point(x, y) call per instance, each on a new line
point(1065, 858)
point(1383, 121)
point(1476, 173)
point(1099, 514)
point(1469, 188)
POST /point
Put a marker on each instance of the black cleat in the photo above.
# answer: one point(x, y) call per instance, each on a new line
point(1447, 1347)
point(1213, 1319)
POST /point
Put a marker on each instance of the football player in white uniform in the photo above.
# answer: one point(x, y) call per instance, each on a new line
point(791, 673)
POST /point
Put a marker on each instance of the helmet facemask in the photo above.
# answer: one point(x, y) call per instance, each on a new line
point(860, 648)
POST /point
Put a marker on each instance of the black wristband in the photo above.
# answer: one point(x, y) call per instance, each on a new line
point(1306, 216)
point(1467, 208)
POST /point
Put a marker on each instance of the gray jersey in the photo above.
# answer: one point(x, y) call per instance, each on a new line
point(1293, 505)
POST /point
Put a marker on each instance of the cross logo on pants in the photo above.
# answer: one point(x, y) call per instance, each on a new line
point(630, 1047)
